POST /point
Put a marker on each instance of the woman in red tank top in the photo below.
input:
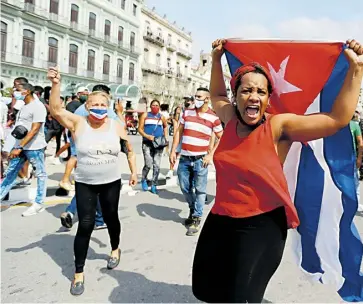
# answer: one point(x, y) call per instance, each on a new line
point(243, 238)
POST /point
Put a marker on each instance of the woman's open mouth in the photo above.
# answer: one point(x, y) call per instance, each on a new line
point(253, 111)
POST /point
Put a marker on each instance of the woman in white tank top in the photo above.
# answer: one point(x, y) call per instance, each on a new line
point(98, 172)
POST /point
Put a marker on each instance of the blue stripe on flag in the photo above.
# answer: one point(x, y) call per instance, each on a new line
point(233, 62)
point(339, 155)
point(308, 197)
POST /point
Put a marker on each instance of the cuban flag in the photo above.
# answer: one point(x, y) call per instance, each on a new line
point(307, 77)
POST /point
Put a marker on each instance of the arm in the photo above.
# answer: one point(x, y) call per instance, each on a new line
point(141, 127)
point(212, 148)
point(176, 139)
point(221, 105)
point(131, 156)
point(64, 117)
point(311, 127)
point(29, 136)
point(359, 141)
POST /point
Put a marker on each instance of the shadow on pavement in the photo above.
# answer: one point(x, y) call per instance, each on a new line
point(59, 247)
point(169, 195)
point(136, 288)
point(160, 212)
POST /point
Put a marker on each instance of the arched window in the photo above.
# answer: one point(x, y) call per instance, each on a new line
point(54, 6)
point(73, 56)
point(4, 35)
point(107, 28)
point(158, 60)
point(106, 64)
point(52, 50)
point(132, 72)
point(91, 60)
point(146, 55)
point(28, 43)
point(120, 68)
point(74, 13)
point(132, 41)
point(92, 21)
point(168, 62)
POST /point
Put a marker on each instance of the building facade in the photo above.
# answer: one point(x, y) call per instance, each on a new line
point(92, 41)
point(166, 64)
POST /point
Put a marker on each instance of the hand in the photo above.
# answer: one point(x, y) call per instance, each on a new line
point(207, 160)
point(172, 158)
point(359, 163)
point(354, 53)
point(118, 106)
point(15, 153)
point(133, 180)
point(54, 75)
point(150, 137)
point(217, 47)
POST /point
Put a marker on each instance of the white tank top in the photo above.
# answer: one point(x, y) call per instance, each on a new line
point(97, 155)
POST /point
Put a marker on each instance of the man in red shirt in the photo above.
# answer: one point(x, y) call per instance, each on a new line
point(195, 130)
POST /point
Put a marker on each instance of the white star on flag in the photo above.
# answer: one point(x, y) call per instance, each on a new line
point(281, 86)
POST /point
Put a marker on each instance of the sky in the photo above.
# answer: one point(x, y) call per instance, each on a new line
point(331, 20)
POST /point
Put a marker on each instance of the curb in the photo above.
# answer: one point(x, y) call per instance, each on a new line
point(23, 196)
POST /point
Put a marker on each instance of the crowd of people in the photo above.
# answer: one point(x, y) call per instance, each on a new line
point(243, 238)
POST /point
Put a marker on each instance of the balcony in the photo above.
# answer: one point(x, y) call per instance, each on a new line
point(90, 74)
point(29, 8)
point(59, 20)
point(170, 47)
point(3, 56)
point(95, 35)
point(153, 68)
point(29, 61)
point(35, 10)
point(106, 77)
point(155, 39)
point(75, 26)
point(169, 72)
point(184, 53)
point(72, 70)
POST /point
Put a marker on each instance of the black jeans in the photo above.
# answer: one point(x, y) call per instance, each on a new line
point(236, 257)
point(86, 195)
point(58, 136)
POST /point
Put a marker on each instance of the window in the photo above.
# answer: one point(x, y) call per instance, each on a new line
point(168, 62)
point(160, 32)
point(132, 40)
point(123, 4)
point(120, 36)
point(169, 39)
point(92, 22)
point(4, 32)
point(106, 64)
point(134, 9)
point(132, 71)
point(74, 13)
point(120, 68)
point(179, 41)
point(158, 60)
point(53, 6)
point(29, 1)
point(28, 43)
point(91, 60)
point(107, 28)
point(53, 50)
point(178, 68)
point(73, 56)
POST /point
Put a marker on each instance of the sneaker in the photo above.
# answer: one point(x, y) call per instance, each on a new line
point(144, 185)
point(193, 229)
point(189, 220)
point(66, 186)
point(56, 161)
point(170, 174)
point(99, 227)
point(67, 220)
point(154, 190)
point(33, 210)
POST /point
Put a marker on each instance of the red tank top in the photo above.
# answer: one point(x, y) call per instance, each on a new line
point(250, 177)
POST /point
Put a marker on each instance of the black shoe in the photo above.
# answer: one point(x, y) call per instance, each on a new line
point(189, 220)
point(113, 262)
point(66, 220)
point(77, 288)
point(194, 228)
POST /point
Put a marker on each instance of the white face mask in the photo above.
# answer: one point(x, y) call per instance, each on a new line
point(198, 103)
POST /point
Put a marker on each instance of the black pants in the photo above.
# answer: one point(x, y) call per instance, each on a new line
point(58, 136)
point(86, 196)
point(236, 257)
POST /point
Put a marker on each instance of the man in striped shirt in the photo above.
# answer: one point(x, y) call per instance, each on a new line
point(195, 130)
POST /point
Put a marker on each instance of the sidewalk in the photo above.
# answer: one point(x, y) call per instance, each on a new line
point(55, 173)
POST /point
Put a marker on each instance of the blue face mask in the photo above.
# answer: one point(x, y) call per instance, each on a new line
point(98, 113)
point(18, 95)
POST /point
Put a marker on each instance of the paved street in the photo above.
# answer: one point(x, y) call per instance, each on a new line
point(37, 257)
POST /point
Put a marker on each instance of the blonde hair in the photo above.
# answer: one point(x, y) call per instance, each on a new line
point(101, 94)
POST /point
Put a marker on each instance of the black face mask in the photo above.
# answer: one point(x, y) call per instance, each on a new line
point(187, 104)
point(251, 127)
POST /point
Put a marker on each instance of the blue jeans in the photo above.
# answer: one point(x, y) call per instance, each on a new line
point(193, 183)
point(36, 159)
point(72, 208)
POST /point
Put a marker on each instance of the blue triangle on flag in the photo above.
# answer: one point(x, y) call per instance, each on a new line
point(233, 62)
